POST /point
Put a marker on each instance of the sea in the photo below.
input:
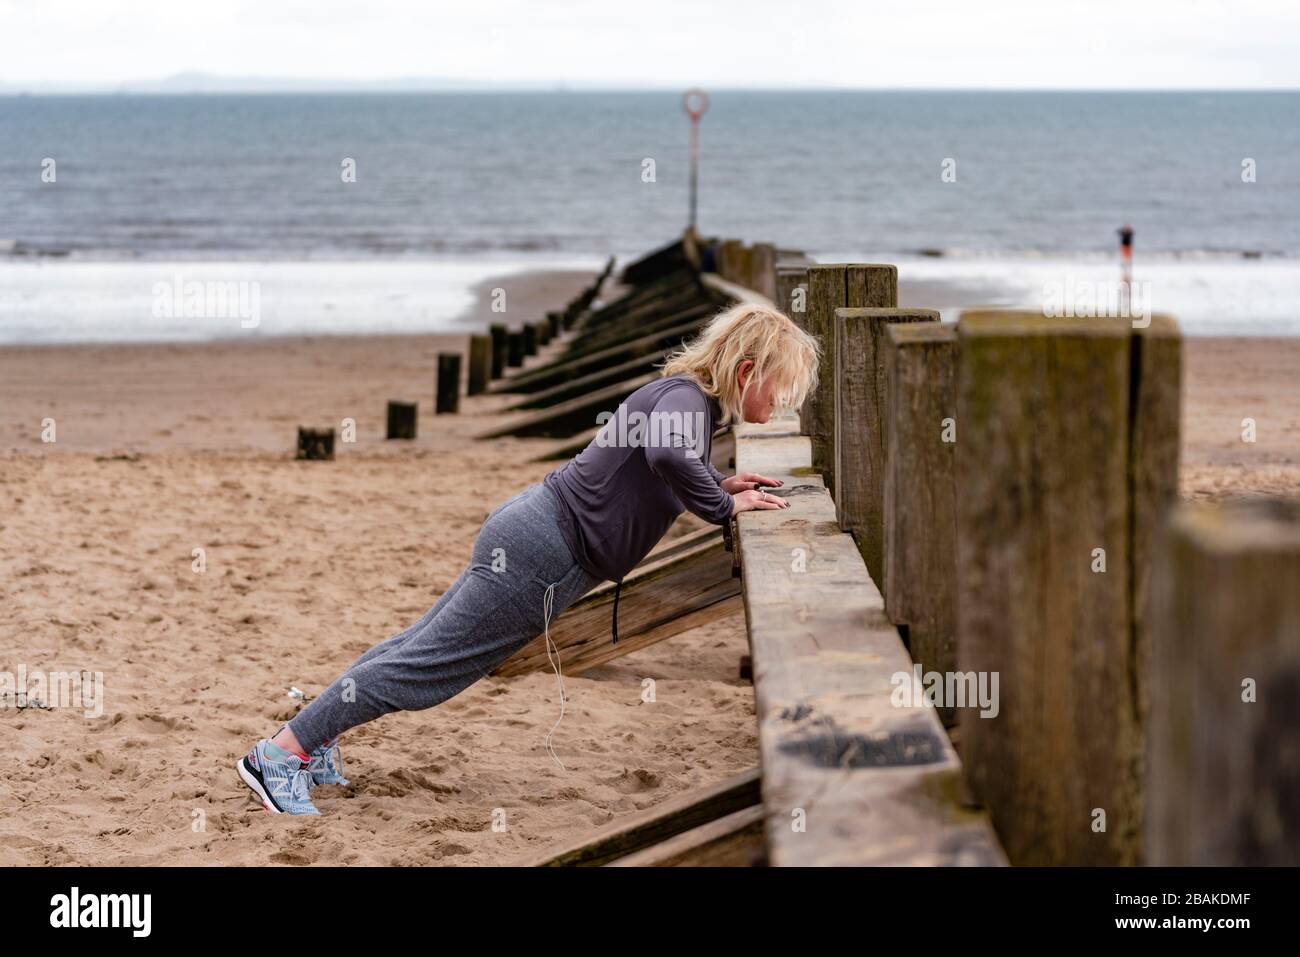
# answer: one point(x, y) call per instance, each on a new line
point(373, 212)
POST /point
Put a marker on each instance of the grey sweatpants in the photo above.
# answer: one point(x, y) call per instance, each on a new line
point(494, 608)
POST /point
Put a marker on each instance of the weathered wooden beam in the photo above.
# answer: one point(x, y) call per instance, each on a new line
point(659, 823)
point(729, 841)
point(572, 416)
point(1048, 530)
point(1223, 754)
point(315, 444)
point(665, 260)
point(792, 293)
point(730, 263)
point(1154, 447)
point(680, 291)
point(762, 269)
point(831, 287)
point(564, 391)
point(661, 598)
point(920, 525)
point(547, 376)
point(858, 427)
point(672, 314)
point(480, 364)
point(448, 386)
point(401, 420)
point(499, 349)
point(848, 777)
point(638, 297)
point(514, 348)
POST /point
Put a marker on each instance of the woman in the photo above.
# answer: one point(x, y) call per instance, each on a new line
point(592, 519)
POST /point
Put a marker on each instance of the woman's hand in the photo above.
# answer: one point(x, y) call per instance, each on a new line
point(755, 499)
point(746, 481)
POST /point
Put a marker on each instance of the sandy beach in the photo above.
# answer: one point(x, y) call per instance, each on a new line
point(163, 449)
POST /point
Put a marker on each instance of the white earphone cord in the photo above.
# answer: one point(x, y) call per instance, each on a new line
point(547, 603)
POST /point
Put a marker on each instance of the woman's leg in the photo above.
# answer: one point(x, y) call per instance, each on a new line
point(496, 608)
point(389, 643)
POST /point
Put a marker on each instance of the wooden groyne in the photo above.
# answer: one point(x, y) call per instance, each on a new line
point(985, 631)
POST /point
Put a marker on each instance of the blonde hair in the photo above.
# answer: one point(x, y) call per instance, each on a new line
point(779, 349)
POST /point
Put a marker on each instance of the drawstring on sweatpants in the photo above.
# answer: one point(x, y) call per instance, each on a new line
point(547, 602)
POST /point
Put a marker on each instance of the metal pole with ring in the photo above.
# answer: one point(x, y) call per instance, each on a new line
point(696, 103)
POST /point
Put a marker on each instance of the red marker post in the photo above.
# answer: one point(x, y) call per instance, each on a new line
point(1126, 253)
point(696, 103)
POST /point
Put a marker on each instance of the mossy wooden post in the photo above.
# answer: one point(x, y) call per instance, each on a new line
point(530, 339)
point(401, 420)
point(1062, 460)
point(514, 348)
point(858, 426)
point(832, 287)
point(448, 397)
point(499, 349)
point(792, 293)
point(543, 327)
point(1223, 753)
point(762, 269)
point(480, 365)
point(920, 529)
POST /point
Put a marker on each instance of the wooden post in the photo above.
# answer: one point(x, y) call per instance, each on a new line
point(792, 293)
point(480, 364)
point(514, 348)
point(543, 327)
point(315, 443)
point(401, 420)
point(858, 446)
point(920, 530)
point(762, 269)
point(1223, 755)
point(831, 287)
point(1154, 450)
point(873, 779)
point(448, 399)
point(1057, 420)
point(530, 339)
point(556, 319)
point(728, 262)
point(744, 266)
point(498, 333)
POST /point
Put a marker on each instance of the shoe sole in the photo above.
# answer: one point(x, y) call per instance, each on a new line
point(252, 780)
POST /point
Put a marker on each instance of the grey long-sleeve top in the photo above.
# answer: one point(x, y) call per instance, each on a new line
point(648, 463)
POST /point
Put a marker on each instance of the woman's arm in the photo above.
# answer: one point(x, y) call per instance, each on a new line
point(673, 448)
point(674, 442)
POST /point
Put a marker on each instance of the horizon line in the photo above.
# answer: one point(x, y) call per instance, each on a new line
point(15, 90)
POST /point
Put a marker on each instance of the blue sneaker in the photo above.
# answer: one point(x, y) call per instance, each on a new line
point(279, 778)
point(327, 764)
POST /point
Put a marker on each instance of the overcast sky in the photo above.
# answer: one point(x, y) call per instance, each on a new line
point(1015, 44)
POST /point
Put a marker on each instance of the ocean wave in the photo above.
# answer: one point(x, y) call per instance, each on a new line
point(1098, 255)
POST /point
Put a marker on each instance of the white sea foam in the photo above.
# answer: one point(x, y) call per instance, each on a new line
point(62, 302)
point(1209, 297)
